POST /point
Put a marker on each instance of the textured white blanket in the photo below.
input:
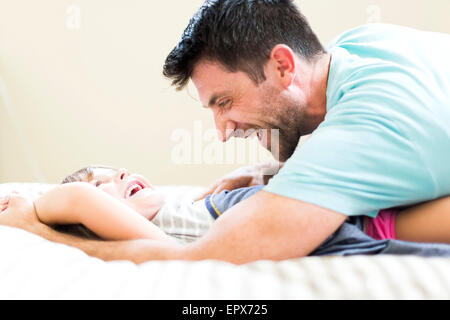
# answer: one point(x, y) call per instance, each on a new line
point(33, 268)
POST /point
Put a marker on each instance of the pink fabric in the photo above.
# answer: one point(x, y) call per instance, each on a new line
point(383, 226)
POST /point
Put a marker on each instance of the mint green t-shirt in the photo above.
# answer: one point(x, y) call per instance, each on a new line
point(385, 140)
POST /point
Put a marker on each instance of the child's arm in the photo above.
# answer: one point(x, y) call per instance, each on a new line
point(427, 222)
point(106, 216)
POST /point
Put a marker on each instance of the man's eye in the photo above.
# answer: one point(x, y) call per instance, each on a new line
point(224, 103)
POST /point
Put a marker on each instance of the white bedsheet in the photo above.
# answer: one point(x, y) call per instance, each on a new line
point(34, 268)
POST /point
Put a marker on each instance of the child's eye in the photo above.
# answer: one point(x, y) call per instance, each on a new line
point(98, 183)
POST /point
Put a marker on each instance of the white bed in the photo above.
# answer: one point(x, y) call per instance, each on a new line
point(33, 268)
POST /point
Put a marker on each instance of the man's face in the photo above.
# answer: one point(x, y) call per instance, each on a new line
point(239, 105)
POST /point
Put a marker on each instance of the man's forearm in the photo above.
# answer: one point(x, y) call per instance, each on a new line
point(137, 251)
point(267, 226)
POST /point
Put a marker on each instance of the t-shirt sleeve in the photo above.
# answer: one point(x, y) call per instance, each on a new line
point(218, 204)
point(356, 164)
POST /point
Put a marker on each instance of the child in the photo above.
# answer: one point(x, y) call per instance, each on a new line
point(116, 205)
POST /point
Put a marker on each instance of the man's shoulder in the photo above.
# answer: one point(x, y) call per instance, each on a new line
point(368, 33)
point(369, 66)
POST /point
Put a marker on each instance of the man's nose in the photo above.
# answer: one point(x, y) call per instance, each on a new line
point(122, 174)
point(225, 128)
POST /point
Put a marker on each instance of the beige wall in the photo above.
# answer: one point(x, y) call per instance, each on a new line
point(95, 94)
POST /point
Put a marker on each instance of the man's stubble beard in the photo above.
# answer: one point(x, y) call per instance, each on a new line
point(288, 118)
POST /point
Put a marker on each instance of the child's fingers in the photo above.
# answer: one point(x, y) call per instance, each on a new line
point(4, 203)
point(12, 199)
point(4, 200)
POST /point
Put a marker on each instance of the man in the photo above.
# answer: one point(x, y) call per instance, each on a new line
point(377, 103)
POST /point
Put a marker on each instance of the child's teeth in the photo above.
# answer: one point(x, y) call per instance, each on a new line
point(133, 187)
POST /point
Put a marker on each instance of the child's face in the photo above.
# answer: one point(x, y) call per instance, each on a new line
point(132, 189)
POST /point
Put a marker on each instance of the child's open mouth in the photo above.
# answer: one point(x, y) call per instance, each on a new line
point(133, 188)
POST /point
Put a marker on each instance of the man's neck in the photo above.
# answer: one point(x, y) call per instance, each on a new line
point(317, 98)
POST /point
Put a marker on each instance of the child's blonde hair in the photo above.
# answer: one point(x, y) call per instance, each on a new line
point(86, 174)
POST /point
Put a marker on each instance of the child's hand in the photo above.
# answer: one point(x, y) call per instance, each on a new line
point(4, 201)
point(18, 212)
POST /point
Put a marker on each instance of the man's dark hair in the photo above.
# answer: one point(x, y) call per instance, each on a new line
point(240, 35)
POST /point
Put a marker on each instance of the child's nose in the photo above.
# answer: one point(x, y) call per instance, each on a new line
point(122, 174)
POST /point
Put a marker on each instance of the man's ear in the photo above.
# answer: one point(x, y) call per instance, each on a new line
point(283, 60)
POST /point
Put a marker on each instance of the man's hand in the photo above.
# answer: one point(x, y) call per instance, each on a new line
point(244, 177)
point(18, 212)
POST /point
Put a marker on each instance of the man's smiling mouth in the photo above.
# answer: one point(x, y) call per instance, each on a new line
point(259, 134)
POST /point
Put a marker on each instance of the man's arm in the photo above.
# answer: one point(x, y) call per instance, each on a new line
point(264, 226)
point(267, 226)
